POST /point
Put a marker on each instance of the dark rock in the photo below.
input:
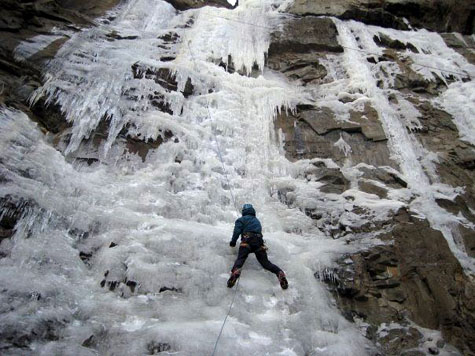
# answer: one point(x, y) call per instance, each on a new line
point(155, 348)
point(6, 233)
point(395, 295)
point(383, 40)
point(171, 37)
point(369, 187)
point(113, 244)
point(463, 45)
point(112, 284)
point(391, 283)
point(38, 330)
point(415, 82)
point(385, 176)
point(131, 285)
point(386, 41)
point(303, 35)
point(141, 148)
point(163, 76)
point(90, 341)
point(455, 163)
point(194, 4)
point(85, 257)
point(369, 122)
point(333, 179)
point(12, 209)
point(313, 133)
point(171, 289)
point(341, 285)
point(413, 282)
point(398, 340)
point(50, 117)
point(434, 350)
point(323, 121)
point(468, 238)
point(28, 19)
point(114, 35)
point(307, 69)
point(435, 15)
point(456, 206)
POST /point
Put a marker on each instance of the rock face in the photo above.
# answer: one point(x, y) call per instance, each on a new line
point(20, 77)
point(407, 282)
point(315, 132)
point(435, 15)
point(296, 50)
point(463, 45)
point(305, 35)
point(22, 20)
point(413, 280)
point(12, 211)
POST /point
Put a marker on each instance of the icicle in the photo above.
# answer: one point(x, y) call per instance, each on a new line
point(343, 146)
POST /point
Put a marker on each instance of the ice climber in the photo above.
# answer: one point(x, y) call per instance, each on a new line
point(251, 242)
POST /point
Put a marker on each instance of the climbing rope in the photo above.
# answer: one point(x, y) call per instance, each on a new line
point(222, 163)
point(234, 204)
point(216, 140)
point(226, 318)
point(220, 156)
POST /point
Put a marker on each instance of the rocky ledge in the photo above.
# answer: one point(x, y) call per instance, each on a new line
point(409, 282)
point(412, 279)
point(434, 15)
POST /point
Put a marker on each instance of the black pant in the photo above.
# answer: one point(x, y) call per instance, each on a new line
point(255, 245)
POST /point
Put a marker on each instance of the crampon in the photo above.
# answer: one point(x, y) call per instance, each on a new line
point(235, 274)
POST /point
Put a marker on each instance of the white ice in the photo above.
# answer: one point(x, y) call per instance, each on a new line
point(172, 215)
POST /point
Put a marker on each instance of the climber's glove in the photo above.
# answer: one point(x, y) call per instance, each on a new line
point(232, 244)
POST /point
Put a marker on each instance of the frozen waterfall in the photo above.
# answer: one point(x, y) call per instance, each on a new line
point(131, 256)
point(161, 227)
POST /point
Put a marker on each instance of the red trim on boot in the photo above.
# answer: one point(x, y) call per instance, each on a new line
point(235, 274)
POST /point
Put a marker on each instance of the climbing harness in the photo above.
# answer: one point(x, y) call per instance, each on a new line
point(248, 236)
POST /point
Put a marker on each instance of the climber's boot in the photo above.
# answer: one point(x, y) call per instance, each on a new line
point(283, 281)
point(235, 274)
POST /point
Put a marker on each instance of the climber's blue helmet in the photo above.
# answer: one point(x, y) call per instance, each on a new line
point(247, 206)
point(248, 209)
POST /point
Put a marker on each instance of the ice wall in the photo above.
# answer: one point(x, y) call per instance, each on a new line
point(154, 236)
